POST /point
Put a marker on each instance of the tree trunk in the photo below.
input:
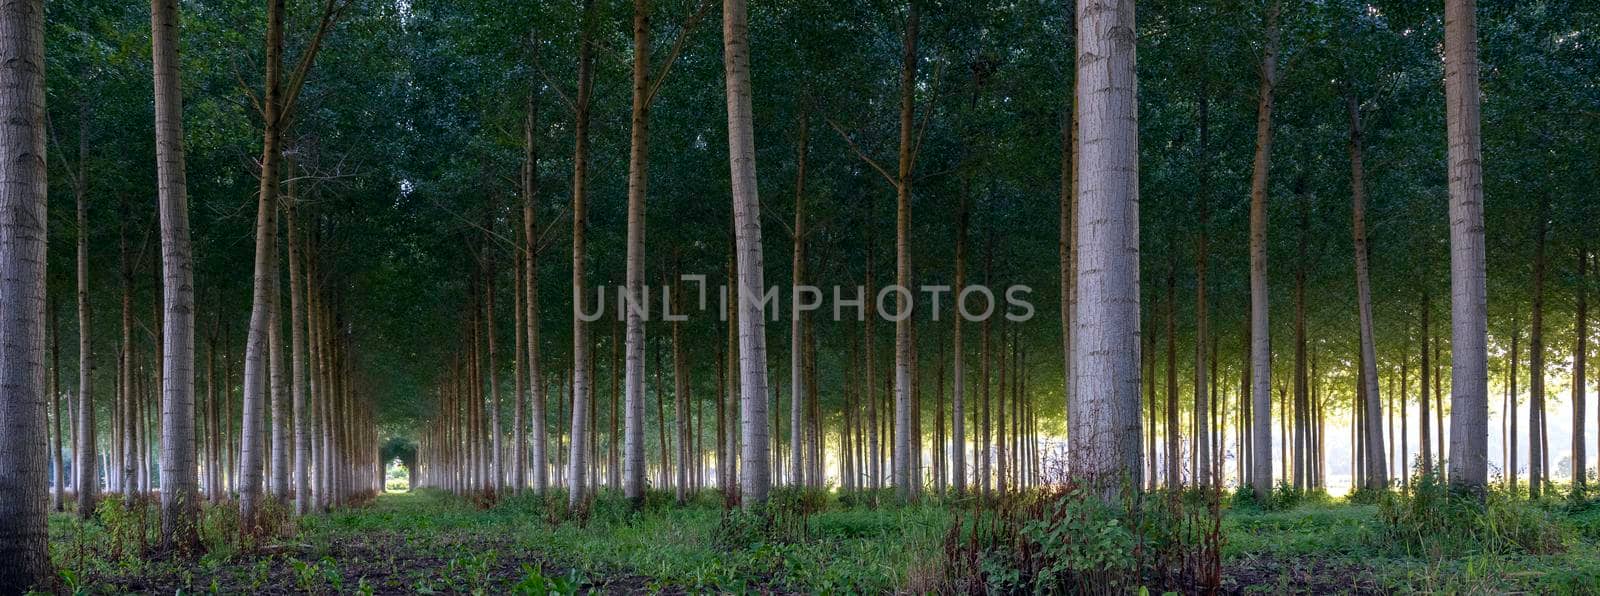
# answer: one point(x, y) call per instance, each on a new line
point(530, 254)
point(1104, 434)
point(297, 358)
point(85, 449)
point(680, 394)
point(1377, 477)
point(179, 485)
point(904, 480)
point(1538, 441)
point(128, 477)
point(797, 387)
point(58, 469)
point(1261, 333)
point(1174, 453)
point(1580, 354)
point(1469, 459)
point(1422, 399)
point(497, 470)
point(633, 456)
point(756, 478)
point(958, 401)
point(264, 277)
point(24, 460)
point(577, 466)
point(1202, 399)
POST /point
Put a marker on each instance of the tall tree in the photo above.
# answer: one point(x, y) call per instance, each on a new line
point(179, 484)
point(86, 464)
point(756, 477)
point(539, 453)
point(1104, 434)
point(1580, 356)
point(1469, 327)
point(1377, 477)
point(277, 106)
point(577, 466)
point(24, 461)
point(1260, 332)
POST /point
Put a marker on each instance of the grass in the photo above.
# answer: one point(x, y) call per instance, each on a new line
point(432, 542)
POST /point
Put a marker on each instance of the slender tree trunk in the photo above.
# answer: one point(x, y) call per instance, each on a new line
point(1580, 354)
point(680, 394)
point(958, 401)
point(1469, 460)
point(1174, 453)
point(1422, 399)
point(1539, 442)
point(1377, 477)
point(577, 466)
point(1104, 433)
point(1261, 333)
point(85, 449)
point(179, 485)
point(904, 480)
point(128, 477)
point(497, 469)
point(278, 471)
point(58, 471)
point(265, 276)
point(24, 460)
point(1202, 399)
point(297, 357)
point(633, 456)
point(519, 369)
point(756, 478)
point(796, 317)
point(530, 254)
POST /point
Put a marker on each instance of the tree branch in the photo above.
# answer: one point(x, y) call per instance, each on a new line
point(893, 181)
point(677, 48)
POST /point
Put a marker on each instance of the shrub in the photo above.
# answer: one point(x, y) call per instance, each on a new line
point(1068, 539)
point(1432, 520)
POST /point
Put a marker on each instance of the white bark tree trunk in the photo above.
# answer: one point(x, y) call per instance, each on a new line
point(179, 485)
point(1104, 432)
point(905, 480)
point(577, 460)
point(756, 477)
point(85, 451)
point(636, 302)
point(539, 453)
point(1260, 332)
point(1469, 461)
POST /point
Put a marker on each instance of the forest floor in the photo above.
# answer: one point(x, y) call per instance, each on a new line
point(430, 542)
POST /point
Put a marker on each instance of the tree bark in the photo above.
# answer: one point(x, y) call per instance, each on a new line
point(633, 456)
point(179, 485)
point(1580, 355)
point(1469, 460)
point(904, 480)
point(530, 254)
point(1377, 477)
point(958, 401)
point(1202, 399)
point(756, 477)
point(24, 460)
point(1538, 441)
point(1422, 399)
point(1104, 433)
point(85, 449)
point(577, 465)
point(797, 377)
point(1260, 332)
